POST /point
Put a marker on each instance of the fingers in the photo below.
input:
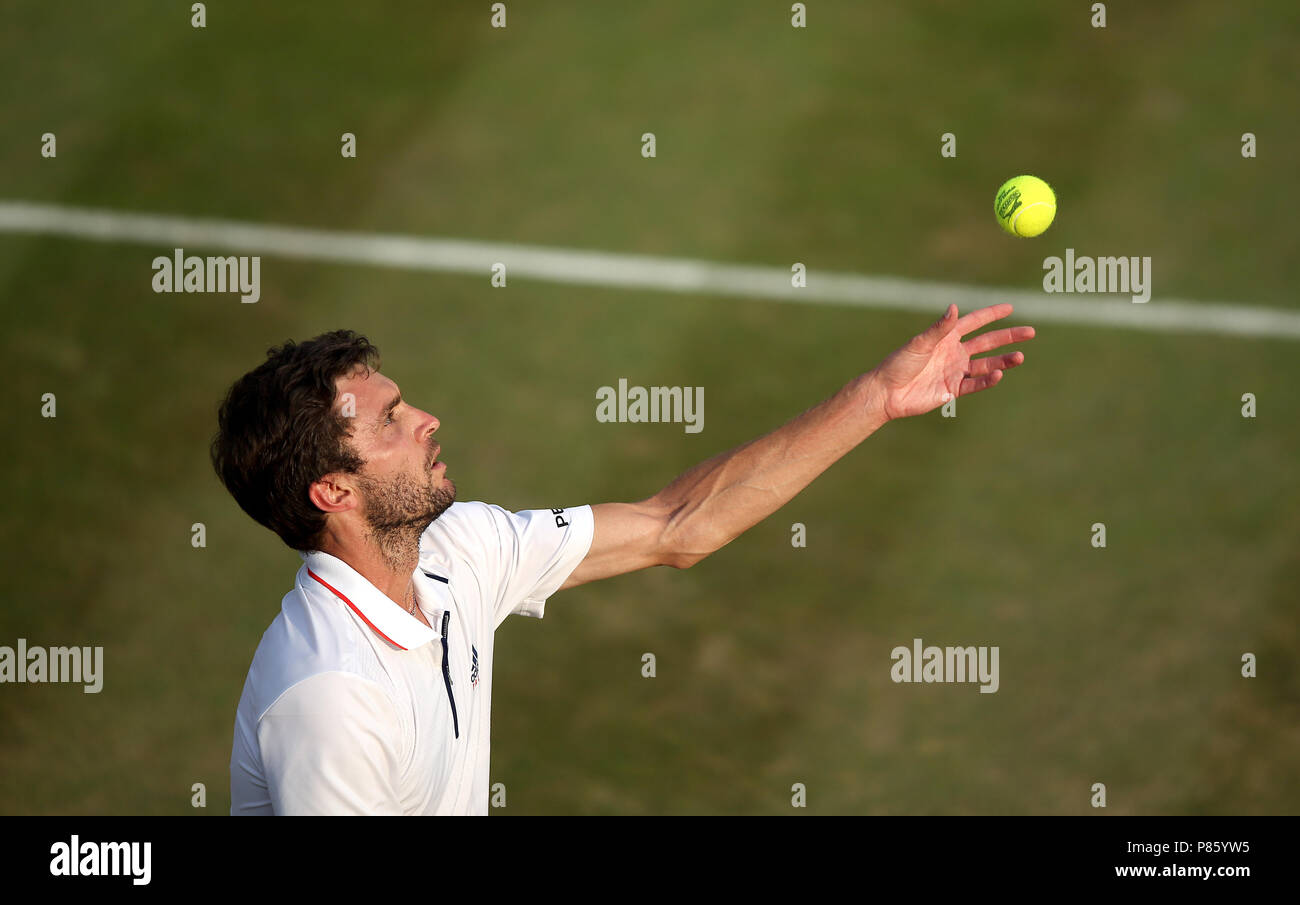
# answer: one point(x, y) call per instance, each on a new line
point(976, 319)
point(938, 330)
point(982, 366)
point(986, 342)
point(975, 384)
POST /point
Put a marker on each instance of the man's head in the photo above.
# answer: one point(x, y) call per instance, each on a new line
point(316, 442)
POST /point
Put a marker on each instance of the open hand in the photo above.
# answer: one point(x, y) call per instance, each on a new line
point(936, 366)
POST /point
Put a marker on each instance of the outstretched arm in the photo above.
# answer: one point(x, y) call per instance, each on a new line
point(715, 502)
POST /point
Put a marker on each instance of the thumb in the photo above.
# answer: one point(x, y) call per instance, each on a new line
point(940, 328)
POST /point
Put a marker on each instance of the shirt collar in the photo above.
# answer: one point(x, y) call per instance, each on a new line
point(331, 575)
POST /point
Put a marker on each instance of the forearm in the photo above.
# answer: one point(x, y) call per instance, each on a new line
point(718, 500)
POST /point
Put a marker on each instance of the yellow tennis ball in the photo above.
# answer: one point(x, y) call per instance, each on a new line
point(1025, 206)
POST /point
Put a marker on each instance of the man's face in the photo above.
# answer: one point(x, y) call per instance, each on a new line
point(402, 483)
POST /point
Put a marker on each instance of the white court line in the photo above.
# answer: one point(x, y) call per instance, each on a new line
point(596, 268)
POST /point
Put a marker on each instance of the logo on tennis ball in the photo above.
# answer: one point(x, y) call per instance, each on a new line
point(1007, 201)
point(1025, 206)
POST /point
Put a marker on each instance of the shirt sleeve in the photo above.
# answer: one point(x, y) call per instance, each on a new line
point(329, 747)
point(521, 558)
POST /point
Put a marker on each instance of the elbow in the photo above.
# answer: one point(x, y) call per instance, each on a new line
point(680, 542)
point(683, 560)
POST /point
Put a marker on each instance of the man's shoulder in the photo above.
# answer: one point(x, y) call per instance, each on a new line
point(462, 519)
point(311, 635)
point(461, 535)
point(474, 528)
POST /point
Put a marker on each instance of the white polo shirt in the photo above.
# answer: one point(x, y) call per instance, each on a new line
point(353, 706)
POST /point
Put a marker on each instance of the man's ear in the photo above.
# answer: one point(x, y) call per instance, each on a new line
point(334, 492)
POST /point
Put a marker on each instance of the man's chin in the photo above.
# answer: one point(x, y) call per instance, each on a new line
point(443, 497)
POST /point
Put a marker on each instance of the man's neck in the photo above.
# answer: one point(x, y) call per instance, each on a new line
point(388, 563)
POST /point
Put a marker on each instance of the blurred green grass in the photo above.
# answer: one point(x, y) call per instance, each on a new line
point(775, 145)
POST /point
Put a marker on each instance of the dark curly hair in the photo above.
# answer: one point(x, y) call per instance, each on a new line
point(278, 432)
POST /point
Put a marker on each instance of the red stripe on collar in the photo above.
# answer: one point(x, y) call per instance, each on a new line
point(339, 594)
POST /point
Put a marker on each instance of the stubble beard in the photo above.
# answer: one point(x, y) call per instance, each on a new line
point(398, 510)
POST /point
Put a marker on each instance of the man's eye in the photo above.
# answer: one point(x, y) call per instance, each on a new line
point(388, 419)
